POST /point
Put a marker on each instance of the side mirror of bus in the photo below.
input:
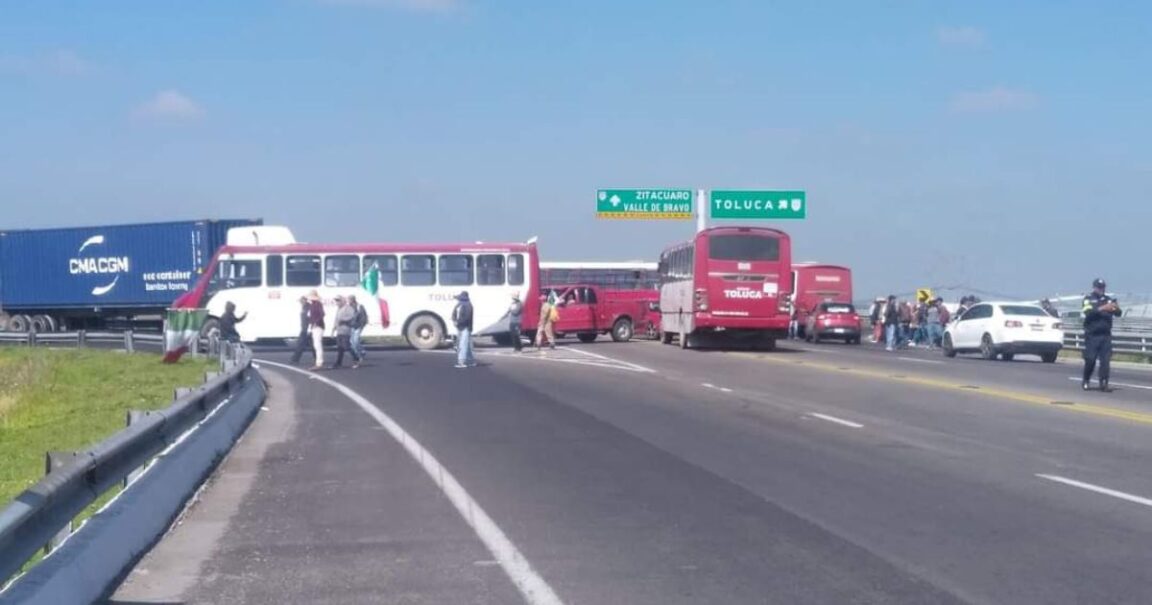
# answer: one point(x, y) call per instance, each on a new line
point(654, 307)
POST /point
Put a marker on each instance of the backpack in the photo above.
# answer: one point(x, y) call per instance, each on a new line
point(553, 314)
point(944, 315)
point(361, 317)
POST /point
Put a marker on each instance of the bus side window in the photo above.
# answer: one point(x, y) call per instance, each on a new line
point(456, 269)
point(302, 270)
point(386, 265)
point(342, 271)
point(515, 269)
point(275, 270)
point(490, 270)
point(418, 270)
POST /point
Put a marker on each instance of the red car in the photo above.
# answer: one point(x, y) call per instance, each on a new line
point(833, 320)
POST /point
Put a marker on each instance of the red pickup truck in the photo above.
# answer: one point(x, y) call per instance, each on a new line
point(587, 311)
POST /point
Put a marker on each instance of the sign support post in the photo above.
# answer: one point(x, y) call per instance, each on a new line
point(701, 211)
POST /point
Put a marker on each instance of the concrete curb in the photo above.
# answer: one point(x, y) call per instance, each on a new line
point(94, 558)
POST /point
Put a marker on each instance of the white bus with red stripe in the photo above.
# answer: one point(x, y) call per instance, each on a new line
point(730, 283)
point(418, 285)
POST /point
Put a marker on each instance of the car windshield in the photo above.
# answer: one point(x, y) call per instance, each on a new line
point(837, 308)
point(1026, 310)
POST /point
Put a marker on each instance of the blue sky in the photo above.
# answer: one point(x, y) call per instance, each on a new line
point(999, 145)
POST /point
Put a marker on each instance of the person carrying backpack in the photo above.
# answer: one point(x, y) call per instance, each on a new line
point(358, 326)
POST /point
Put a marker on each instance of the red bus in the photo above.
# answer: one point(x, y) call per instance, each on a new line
point(814, 283)
point(264, 272)
point(727, 283)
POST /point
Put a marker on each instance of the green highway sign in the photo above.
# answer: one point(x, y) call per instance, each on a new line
point(757, 204)
point(644, 203)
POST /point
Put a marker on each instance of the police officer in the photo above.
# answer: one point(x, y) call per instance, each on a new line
point(1099, 309)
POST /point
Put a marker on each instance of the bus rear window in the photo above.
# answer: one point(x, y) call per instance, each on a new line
point(743, 248)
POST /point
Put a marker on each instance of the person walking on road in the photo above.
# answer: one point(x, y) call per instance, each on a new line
point(462, 317)
point(358, 327)
point(891, 323)
point(316, 328)
point(304, 338)
point(546, 327)
point(515, 319)
point(345, 320)
point(228, 323)
point(1099, 309)
point(933, 322)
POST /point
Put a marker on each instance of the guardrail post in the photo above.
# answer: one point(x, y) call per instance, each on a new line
point(53, 461)
point(82, 339)
point(133, 417)
point(128, 341)
point(32, 337)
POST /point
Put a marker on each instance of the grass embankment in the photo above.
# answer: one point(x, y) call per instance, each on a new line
point(66, 400)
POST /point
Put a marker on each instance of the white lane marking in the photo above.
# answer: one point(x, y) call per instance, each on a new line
point(918, 360)
point(708, 384)
point(638, 367)
point(531, 585)
point(1098, 489)
point(726, 389)
point(1117, 384)
point(847, 423)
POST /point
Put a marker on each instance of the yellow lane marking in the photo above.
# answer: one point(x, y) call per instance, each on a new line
point(1018, 396)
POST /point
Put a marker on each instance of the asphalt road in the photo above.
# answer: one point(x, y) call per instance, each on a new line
point(640, 473)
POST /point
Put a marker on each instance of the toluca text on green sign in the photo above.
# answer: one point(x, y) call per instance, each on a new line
point(644, 203)
point(757, 204)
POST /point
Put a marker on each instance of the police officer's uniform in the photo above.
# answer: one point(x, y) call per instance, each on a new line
point(1098, 334)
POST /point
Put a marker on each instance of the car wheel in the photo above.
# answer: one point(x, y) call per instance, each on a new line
point(1007, 356)
point(424, 332)
point(949, 350)
point(622, 330)
point(987, 349)
point(1049, 357)
point(586, 336)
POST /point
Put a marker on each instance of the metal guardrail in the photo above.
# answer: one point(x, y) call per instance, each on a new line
point(128, 340)
point(1134, 343)
point(34, 519)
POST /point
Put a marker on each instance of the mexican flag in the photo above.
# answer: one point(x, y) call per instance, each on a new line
point(371, 284)
point(182, 328)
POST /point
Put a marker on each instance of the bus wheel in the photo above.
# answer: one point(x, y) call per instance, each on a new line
point(622, 330)
point(424, 332)
point(586, 336)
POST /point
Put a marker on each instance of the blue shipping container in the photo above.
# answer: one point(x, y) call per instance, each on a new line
point(144, 265)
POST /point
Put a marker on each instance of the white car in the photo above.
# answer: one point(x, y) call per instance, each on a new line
point(1006, 329)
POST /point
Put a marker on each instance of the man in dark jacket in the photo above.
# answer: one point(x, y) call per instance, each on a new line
point(1099, 309)
point(891, 323)
point(304, 339)
point(462, 317)
point(228, 323)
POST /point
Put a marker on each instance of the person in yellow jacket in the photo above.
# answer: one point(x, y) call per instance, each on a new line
point(546, 327)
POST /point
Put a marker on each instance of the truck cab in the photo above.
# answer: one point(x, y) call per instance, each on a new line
point(588, 311)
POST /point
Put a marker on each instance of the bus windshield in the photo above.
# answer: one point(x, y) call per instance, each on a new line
point(744, 247)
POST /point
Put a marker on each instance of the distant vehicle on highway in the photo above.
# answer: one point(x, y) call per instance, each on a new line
point(587, 311)
point(815, 283)
point(1005, 329)
point(625, 275)
point(418, 284)
point(833, 320)
point(731, 283)
point(103, 276)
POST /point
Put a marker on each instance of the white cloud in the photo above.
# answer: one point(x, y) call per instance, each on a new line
point(436, 6)
point(60, 62)
point(961, 37)
point(170, 104)
point(994, 99)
